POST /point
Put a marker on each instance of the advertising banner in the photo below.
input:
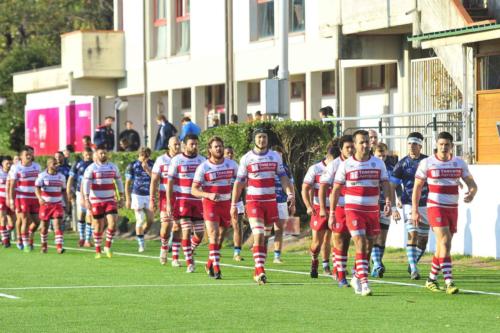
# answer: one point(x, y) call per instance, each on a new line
point(42, 130)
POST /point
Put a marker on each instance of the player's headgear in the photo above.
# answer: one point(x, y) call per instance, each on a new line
point(415, 137)
point(258, 130)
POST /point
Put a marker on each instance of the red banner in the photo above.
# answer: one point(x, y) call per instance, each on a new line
point(42, 130)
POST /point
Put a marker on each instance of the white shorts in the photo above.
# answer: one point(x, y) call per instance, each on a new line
point(79, 208)
point(283, 210)
point(240, 207)
point(139, 202)
point(423, 227)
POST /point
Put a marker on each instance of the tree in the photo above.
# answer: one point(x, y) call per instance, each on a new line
point(29, 39)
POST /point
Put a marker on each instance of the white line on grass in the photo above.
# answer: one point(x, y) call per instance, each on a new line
point(405, 284)
point(162, 286)
point(8, 296)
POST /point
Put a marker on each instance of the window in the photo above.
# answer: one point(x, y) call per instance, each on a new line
point(297, 89)
point(328, 83)
point(186, 98)
point(253, 92)
point(265, 18)
point(297, 18)
point(160, 28)
point(182, 26)
point(489, 72)
point(371, 78)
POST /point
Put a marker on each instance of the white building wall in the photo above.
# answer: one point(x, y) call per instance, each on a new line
point(478, 222)
point(133, 29)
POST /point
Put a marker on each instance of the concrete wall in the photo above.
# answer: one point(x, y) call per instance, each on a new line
point(133, 30)
point(478, 222)
point(362, 15)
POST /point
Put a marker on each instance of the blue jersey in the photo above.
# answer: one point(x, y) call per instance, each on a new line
point(389, 165)
point(404, 173)
point(281, 196)
point(141, 179)
point(77, 172)
point(65, 170)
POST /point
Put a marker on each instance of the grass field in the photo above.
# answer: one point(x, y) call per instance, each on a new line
point(74, 292)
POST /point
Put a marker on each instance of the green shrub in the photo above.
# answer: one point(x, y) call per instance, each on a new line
point(304, 143)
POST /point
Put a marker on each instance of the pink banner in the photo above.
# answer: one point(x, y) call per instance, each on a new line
point(42, 130)
point(78, 123)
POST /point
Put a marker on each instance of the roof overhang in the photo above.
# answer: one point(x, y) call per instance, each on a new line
point(462, 36)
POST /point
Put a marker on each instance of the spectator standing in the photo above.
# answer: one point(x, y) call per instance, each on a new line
point(131, 135)
point(234, 119)
point(165, 131)
point(104, 135)
point(188, 127)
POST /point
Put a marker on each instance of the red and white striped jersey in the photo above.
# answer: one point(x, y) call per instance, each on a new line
point(99, 182)
point(161, 168)
point(181, 171)
point(442, 178)
point(259, 171)
point(312, 178)
point(362, 182)
point(217, 178)
point(51, 186)
point(328, 177)
point(25, 177)
point(3, 183)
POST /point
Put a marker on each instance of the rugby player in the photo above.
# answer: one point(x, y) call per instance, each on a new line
point(258, 169)
point(7, 216)
point(442, 173)
point(187, 210)
point(212, 183)
point(50, 188)
point(137, 186)
point(99, 181)
point(404, 174)
point(160, 176)
point(362, 175)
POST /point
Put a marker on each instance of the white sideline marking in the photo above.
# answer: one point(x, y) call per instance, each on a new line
point(163, 286)
point(405, 284)
point(8, 296)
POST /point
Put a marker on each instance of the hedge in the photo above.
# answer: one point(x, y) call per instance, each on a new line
point(304, 143)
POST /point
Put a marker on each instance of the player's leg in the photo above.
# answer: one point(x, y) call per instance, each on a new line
point(140, 218)
point(89, 229)
point(23, 217)
point(341, 241)
point(19, 234)
point(357, 225)
point(81, 222)
point(186, 228)
point(10, 225)
point(278, 240)
point(165, 229)
point(237, 234)
point(111, 219)
point(198, 233)
point(212, 267)
point(33, 221)
point(98, 221)
point(176, 243)
point(314, 250)
point(422, 232)
point(44, 234)
point(378, 249)
point(59, 235)
point(259, 249)
point(3, 227)
point(327, 252)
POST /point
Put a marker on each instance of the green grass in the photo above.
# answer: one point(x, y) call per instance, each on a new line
point(192, 302)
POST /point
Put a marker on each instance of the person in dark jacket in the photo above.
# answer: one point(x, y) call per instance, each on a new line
point(104, 135)
point(131, 136)
point(165, 131)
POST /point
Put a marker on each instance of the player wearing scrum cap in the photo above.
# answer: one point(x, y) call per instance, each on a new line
point(404, 174)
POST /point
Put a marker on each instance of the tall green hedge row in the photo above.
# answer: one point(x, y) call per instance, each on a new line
point(304, 143)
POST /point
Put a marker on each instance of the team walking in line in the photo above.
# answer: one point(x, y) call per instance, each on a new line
point(350, 195)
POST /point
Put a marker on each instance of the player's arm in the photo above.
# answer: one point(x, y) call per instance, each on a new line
point(307, 191)
point(334, 199)
point(87, 180)
point(128, 185)
point(415, 199)
point(119, 186)
point(395, 213)
point(69, 187)
point(238, 187)
point(146, 168)
point(153, 188)
point(172, 171)
point(38, 190)
point(389, 198)
point(11, 186)
point(472, 188)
